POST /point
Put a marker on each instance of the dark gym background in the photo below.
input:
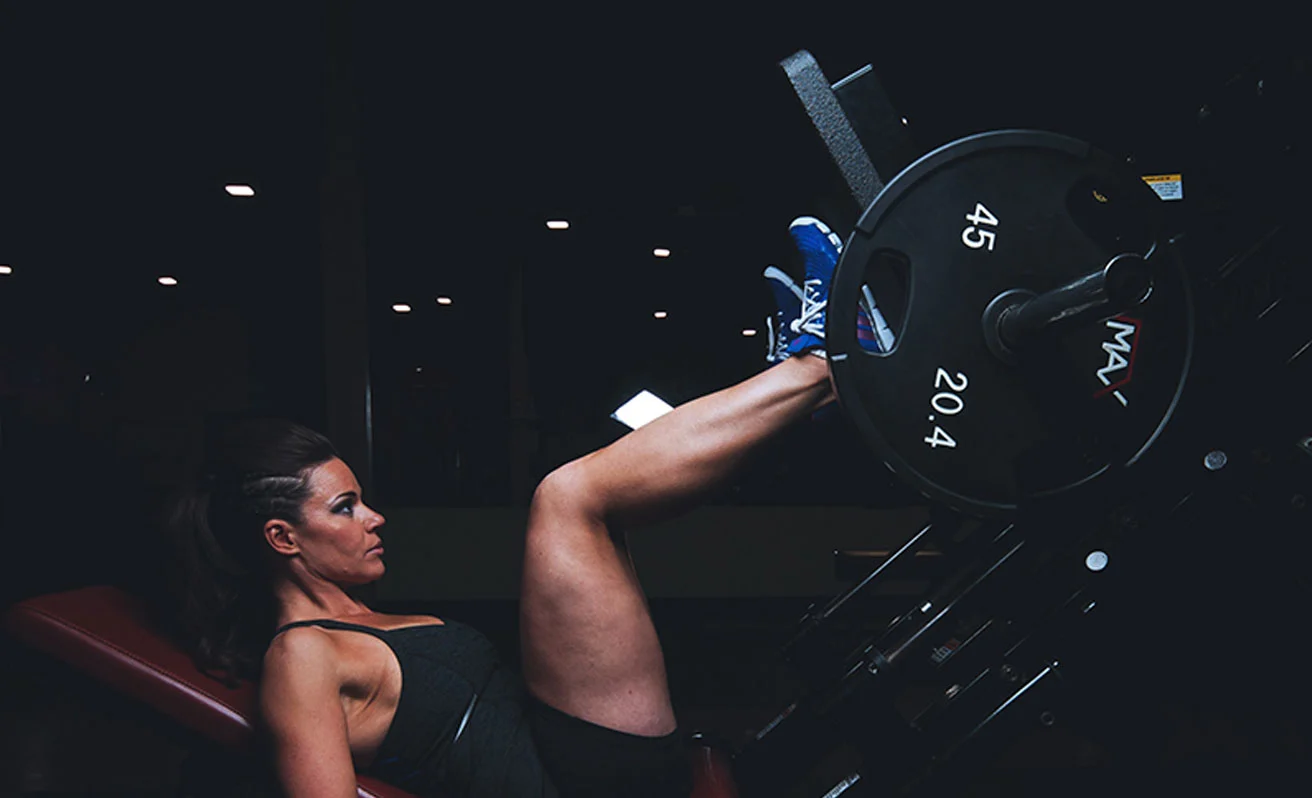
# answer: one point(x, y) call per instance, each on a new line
point(402, 152)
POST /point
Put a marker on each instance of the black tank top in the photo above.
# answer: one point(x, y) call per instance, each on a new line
point(460, 729)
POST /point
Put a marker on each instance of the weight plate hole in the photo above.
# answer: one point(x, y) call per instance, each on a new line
point(885, 288)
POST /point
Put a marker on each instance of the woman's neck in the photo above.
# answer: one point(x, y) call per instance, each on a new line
point(303, 600)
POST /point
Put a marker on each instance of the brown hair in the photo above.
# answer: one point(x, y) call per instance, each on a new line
point(257, 470)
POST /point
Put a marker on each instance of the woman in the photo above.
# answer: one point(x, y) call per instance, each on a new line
point(279, 533)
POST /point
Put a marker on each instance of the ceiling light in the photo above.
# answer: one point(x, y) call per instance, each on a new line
point(6, 270)
point(749, 332)
point(661, 252)
point(904, 120)
point(444, 300)
point(642, 409)
point(558, 224)
point(238, 190)
point(660, 314)
point(401, 307)
point(167, 281)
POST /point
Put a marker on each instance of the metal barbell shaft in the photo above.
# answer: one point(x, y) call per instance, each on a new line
point(1125, 282)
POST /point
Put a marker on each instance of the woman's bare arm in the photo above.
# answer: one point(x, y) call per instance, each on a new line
point(300, 701)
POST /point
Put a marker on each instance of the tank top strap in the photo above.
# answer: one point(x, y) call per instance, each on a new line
point(329, 623)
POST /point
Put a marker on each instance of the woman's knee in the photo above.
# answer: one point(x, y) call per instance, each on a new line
point(569, 490)
point(565, 510)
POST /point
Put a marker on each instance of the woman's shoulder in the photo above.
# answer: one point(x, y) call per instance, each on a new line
point(300, 647)
point(302, 659)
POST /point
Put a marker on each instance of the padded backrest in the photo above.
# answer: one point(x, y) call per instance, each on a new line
point(105, 633)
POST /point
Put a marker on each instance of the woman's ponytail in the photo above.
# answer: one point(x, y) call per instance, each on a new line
point(224, 607)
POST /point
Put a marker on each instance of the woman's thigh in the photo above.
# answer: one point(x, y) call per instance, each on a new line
point(589, 645)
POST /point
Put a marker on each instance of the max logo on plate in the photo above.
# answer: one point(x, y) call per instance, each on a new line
point(1120, 349)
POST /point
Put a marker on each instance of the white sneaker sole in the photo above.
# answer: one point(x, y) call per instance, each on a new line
point(822, 227)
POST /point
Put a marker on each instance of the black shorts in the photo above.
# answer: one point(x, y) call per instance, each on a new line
point(585, 760)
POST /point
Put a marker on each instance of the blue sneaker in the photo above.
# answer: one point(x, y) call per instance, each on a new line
point(788, 299)
point(821, 248)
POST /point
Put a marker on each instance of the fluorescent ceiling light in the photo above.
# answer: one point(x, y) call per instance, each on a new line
point(660, 314)
point(167, 281)
point(238, 190)
point(558, 224)
point(749, 332)
point(6, 270)
point(660, 252)
point(401, 307)
point(444, 300)
point(642, 409)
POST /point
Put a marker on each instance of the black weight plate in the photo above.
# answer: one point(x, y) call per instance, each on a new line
point(989, 213)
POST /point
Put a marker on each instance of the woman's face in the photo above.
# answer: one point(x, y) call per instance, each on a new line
point(338, 537)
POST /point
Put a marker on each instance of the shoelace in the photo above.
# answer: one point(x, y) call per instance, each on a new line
point(812, 310)
point(777, 345)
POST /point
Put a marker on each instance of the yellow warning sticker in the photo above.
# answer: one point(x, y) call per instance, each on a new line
point(1168, 187)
